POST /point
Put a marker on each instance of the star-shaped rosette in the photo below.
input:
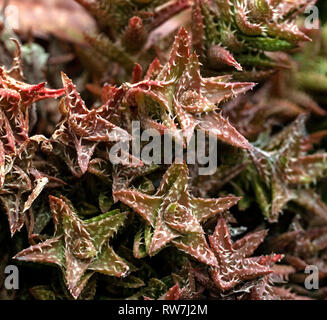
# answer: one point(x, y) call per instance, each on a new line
point(234, 262)
point(285, 170)
point(82, 129)
point(175, 216)
point(79, 247)
point(175, 97)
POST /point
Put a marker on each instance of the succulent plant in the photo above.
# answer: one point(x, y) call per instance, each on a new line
point(19, 176)
point(78, 247)
point(240, 33)
point(177, 91)
point(234, 262)
point(82, 129)
point(286, 169)
point(175, 216)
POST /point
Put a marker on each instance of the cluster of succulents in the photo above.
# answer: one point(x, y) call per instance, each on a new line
point(137, 230)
